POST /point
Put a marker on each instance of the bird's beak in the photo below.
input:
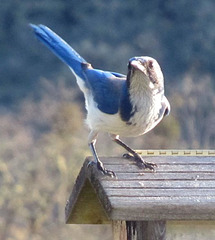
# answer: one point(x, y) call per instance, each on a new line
point(138, 65)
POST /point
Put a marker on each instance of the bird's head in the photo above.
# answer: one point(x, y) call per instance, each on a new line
point(145, 71)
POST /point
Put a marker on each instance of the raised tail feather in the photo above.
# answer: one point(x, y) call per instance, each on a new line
point(60, 48)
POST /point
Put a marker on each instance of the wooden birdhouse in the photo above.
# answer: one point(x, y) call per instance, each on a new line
point(142, 204)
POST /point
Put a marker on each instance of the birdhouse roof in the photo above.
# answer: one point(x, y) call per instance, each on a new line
point(181, 188)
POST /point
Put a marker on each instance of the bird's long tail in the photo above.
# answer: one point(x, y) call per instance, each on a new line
point(59, 47)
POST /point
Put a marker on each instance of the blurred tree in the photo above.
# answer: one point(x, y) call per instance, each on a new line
point(195, 105)
point(180, 35)
point(39, 156)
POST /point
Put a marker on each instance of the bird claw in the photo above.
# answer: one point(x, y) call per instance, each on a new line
point(143, 164)
point(102, 169)
point(108, 173)
point(140, 162)
point(146, 165)
point(127, 156)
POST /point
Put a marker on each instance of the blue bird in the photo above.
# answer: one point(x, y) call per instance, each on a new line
point(121, 105)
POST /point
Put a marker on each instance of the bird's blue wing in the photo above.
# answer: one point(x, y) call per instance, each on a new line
point(119, 75)
point(106, 89)
point(60, 48)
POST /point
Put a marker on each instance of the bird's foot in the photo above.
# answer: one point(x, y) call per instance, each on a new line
point(103, 170)
point(108, 173)
point(140, 162)
point(127, 155)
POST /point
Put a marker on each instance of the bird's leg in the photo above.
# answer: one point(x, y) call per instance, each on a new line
point(137, 157)
point(99, 164)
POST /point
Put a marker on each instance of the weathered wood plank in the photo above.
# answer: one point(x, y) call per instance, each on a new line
point(163, 208)
point(119, 230)
point(161, 193)
point(198, 184)
point(161, 159)
point(181, 188)
point(139, 230)
point(166, 176)
point(151, 230)
point(132, 168)
point(149, 202)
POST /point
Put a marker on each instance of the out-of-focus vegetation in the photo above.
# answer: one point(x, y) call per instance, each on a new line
point(42, 131)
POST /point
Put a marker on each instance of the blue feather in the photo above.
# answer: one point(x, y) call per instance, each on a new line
point(126, 109)
point(106, 87)
point(119, 75)
point(60, 48)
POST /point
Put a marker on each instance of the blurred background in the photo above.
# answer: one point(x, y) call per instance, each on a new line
point(43, 137)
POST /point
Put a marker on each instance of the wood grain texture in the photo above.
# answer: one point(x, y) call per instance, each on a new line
point(139, 230)
point(181, 188)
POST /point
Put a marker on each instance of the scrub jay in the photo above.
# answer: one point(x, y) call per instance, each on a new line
point(126, 105)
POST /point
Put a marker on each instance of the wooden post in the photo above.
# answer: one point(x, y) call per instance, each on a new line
point(139, 230)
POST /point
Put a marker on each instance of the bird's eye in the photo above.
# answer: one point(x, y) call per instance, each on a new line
point(151, 65)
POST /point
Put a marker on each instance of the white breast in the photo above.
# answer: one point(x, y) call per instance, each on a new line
point(147, 115)
point(141, 122)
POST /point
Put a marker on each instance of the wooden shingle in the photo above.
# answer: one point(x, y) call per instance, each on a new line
point(181, 188)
